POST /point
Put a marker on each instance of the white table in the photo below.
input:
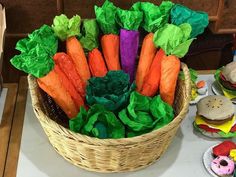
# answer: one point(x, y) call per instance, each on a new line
point(183, 157)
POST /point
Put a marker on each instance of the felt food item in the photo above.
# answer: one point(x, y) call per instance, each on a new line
point(36, 58)
point(222, 166)
point(110, 40)
point(232, 154)
point(224, 148)
point(68, 29)
point(197, 19)
point(200, 84)
point(97, 122)
point(66, 64)
point(170, 67)
point(174, 40)
point(225, 77)
point(216, 112)
point(90, 42)
point(145, 114)
point(112, 91)
point(129, 39)
point(152, 79)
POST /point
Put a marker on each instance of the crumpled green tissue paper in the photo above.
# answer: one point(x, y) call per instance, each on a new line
point(90, 32)
point(145, 114)
point(197, 19)
point(106, 16)
point(128, 19)
point(65, 27)
point(112, 91)
point(97, 122)
point(37, 51)
point(154, 16)
point(174, 40)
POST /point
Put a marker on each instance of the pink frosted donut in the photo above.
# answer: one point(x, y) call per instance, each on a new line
point(222, 165)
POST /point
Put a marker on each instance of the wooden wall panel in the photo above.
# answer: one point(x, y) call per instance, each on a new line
point(23, 16)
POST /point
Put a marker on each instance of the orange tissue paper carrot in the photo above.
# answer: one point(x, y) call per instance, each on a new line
point(90, 42)
point(35, 58)
point(152, 79)
point(110, 41)
point(170, 67)
point(147, 55)
point(68, 29)
point(66, 64)
point(52, 85)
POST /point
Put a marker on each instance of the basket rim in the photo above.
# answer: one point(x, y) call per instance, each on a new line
point(113, 142)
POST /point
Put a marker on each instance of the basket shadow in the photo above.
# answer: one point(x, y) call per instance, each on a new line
point(37, 155)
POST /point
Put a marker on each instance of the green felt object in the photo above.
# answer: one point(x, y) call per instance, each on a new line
point(174, 40)
point(37, 51)
point(193, 75)
point(112, 91)
point(90, 32)
point(106, 16)
point(144, 114)
point(129, 19)
point(65, 27)
point(154, 16)
point(197, 19)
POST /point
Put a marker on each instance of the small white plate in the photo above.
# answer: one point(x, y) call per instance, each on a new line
point(217, 91)
point(207, 158)
point(198, 98)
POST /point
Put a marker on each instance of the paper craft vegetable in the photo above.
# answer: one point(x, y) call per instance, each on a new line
point(170, 67)
point(174, 40)
point(111, 91)
point(197, 19)
point(36, 58)
point(152, 79)
point(154, 17)
point(90, 42)
point(145, 114)
point(97, 122)
point(105, 17)
point(68, 29)
point(129, 39)
point(66, 64)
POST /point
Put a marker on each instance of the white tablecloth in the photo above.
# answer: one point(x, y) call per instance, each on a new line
point(182, 159)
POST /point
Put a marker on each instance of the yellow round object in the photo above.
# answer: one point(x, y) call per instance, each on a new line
point(232, 154)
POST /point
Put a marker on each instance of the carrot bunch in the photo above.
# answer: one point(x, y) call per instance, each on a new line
point(154, 17)
point(50, 75)
point(175, 47)
point(68, 29)
point(110, 39)
point(90, 42)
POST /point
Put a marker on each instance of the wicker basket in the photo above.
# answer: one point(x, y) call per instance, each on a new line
point(108, 155)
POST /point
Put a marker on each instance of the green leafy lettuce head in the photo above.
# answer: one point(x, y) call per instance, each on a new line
point(112, 91)
point(145, 114)
point(37, 51)
point(106, 16)
point(97, 122)
point(154, 17)
point(65, 27)
point(174, 40)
